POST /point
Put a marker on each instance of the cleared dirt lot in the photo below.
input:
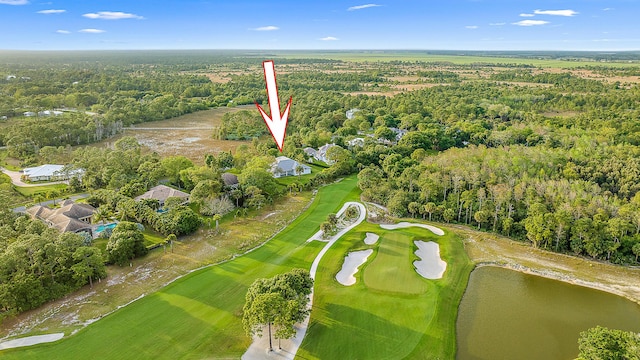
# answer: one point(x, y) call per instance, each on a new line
point(189, 135)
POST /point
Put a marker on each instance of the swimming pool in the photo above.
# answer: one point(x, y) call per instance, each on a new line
point(101, 228)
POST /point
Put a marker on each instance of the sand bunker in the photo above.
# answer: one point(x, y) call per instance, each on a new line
point(31, 340)
point(430, 265)
point(405, 224)
point(350, 267)
point(371, 238)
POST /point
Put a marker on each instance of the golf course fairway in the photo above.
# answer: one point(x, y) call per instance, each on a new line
point(199, 315)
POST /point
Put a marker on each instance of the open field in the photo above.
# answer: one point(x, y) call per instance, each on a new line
point(199, 315)
point(380, 56)
point(361, 322)
point(189, 135)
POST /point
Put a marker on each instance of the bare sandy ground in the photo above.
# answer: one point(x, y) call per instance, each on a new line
point(405, 224)
point(30, 340)
point(352, 262)
point(430, 265)
point(371, 239)
point(288, 348)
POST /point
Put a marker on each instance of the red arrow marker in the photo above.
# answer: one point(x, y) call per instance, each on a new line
point(277, 123)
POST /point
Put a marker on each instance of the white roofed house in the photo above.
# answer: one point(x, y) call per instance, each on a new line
point(351, 113)
point(50, 172)
point(321, 154)
point(283, 166)
point(310, 152)
point(356, 142)
point(400, 133)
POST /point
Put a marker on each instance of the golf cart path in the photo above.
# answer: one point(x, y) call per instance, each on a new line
point(259, 348)
point(30, 340)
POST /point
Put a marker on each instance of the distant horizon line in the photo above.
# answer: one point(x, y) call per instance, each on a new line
point(331, 50)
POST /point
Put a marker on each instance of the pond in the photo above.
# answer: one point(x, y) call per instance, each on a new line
point(505, 314)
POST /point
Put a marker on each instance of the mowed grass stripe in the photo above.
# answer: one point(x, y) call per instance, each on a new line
point(198, 316)
point(392, 269)
point(358, 322)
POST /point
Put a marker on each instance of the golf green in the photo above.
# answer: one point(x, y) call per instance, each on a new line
point(394, 313)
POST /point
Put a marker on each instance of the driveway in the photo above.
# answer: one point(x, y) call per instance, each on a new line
point(16, 175)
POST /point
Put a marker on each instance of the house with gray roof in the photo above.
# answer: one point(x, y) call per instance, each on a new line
point(283, 166)
point(162, 193)
point(230, 180)
point(321, 154)
point(69, 217)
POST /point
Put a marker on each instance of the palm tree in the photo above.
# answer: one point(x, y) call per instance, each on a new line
point(217, 218)
point(101, 214)
point(37, 198)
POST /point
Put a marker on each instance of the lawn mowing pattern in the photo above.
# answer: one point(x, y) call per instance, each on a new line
point(198, 316)
point(392, 269)
point(357, 322)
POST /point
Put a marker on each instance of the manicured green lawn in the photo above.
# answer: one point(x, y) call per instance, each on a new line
point(198, 316)
point(43, 189)
point(402, 316)
point(152, 237)
point(392, 268)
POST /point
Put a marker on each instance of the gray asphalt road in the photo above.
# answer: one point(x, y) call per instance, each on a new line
point(22, 209)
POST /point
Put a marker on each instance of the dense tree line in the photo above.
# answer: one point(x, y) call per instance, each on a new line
point(547, 196)
point(39, 264)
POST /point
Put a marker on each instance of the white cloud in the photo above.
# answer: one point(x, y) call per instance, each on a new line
point(112, 15)
point(360, 7)
point(556, 12)
point(497, 24)
point(530, 22)
point(52, 11)
point(63, 31)
point(472, 27)
point(329, 38)
point(14, 2)
point(92, 31)
point(266, 28)
point(607, 9)
point(527, 15)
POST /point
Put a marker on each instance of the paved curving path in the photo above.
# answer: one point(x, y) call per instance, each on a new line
point(30, 340)
point(259, 348)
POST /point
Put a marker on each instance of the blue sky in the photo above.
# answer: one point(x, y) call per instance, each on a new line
point(285, 24)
